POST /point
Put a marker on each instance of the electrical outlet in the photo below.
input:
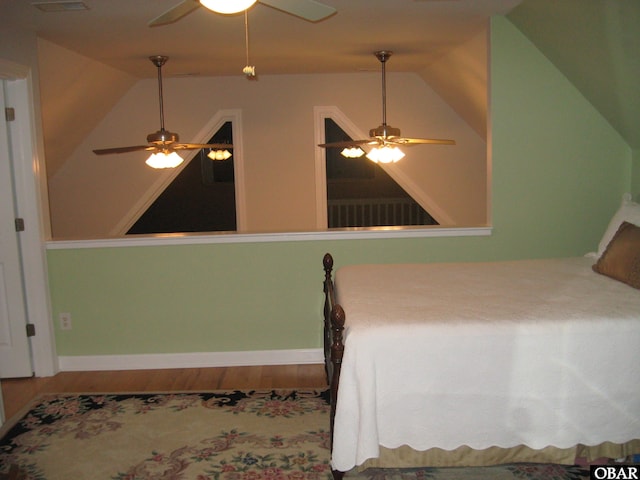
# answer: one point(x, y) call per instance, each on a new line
point(65, 321)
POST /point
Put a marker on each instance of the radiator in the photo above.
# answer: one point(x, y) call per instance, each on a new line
point(375, 212)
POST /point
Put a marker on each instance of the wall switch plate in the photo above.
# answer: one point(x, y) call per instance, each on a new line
point(65, 321)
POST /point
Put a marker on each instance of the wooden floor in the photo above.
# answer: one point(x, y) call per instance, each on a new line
point(17, 393)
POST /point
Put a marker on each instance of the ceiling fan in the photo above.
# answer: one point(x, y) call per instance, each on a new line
point(385, 138)
point(162, 141)
point(306, 9)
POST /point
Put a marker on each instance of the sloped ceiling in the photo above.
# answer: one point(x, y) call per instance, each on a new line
point(77, 92)
point(596, 45)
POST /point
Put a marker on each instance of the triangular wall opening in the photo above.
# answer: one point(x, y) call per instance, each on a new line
point(200, 199)
point(361, 194)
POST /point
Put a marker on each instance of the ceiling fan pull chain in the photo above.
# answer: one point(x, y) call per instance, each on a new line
point(248, 70)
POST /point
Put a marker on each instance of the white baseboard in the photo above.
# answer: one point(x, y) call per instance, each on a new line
point(190, 360)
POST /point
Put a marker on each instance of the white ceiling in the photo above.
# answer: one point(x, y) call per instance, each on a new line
point(115, 32)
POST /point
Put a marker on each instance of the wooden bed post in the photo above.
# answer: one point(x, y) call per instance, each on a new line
point(327, 263)
point(334, 318)
point(337, 351)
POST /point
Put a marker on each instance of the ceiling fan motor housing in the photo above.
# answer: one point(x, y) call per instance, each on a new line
point(384, 131)
point(163, 137)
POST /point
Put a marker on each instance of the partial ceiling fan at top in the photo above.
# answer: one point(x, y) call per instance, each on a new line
point(309, 10)
point(164, 144)
point(384, 139)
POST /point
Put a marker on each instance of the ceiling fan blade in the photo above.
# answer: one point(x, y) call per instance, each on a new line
point(174, 14)
point(137, 148)
point(421, 141)
point(163, 141)
point(384, 135)
point(348, 143)
point(307, 9)
point(198, 146)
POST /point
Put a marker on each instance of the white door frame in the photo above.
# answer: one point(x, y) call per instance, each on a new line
point(31, 196)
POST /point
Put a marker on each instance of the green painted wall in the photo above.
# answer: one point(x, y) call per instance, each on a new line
point(559, 171)
point(635, 174)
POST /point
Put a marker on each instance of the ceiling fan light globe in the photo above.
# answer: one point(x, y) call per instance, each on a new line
point(385, 154)
point(353, 152)
point(219, 154)
point(227, 7)
point(164, 160)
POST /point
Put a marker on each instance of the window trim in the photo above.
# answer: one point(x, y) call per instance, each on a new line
point(319, 115)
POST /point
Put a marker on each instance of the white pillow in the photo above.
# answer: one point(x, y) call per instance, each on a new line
point(629, 211)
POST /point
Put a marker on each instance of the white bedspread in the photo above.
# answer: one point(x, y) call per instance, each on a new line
point(538, 353)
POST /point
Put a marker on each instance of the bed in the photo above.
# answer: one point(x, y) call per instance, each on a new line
point(452, 364)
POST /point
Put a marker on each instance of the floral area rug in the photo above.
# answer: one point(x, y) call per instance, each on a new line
point(236, 435)
point(239, 435)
